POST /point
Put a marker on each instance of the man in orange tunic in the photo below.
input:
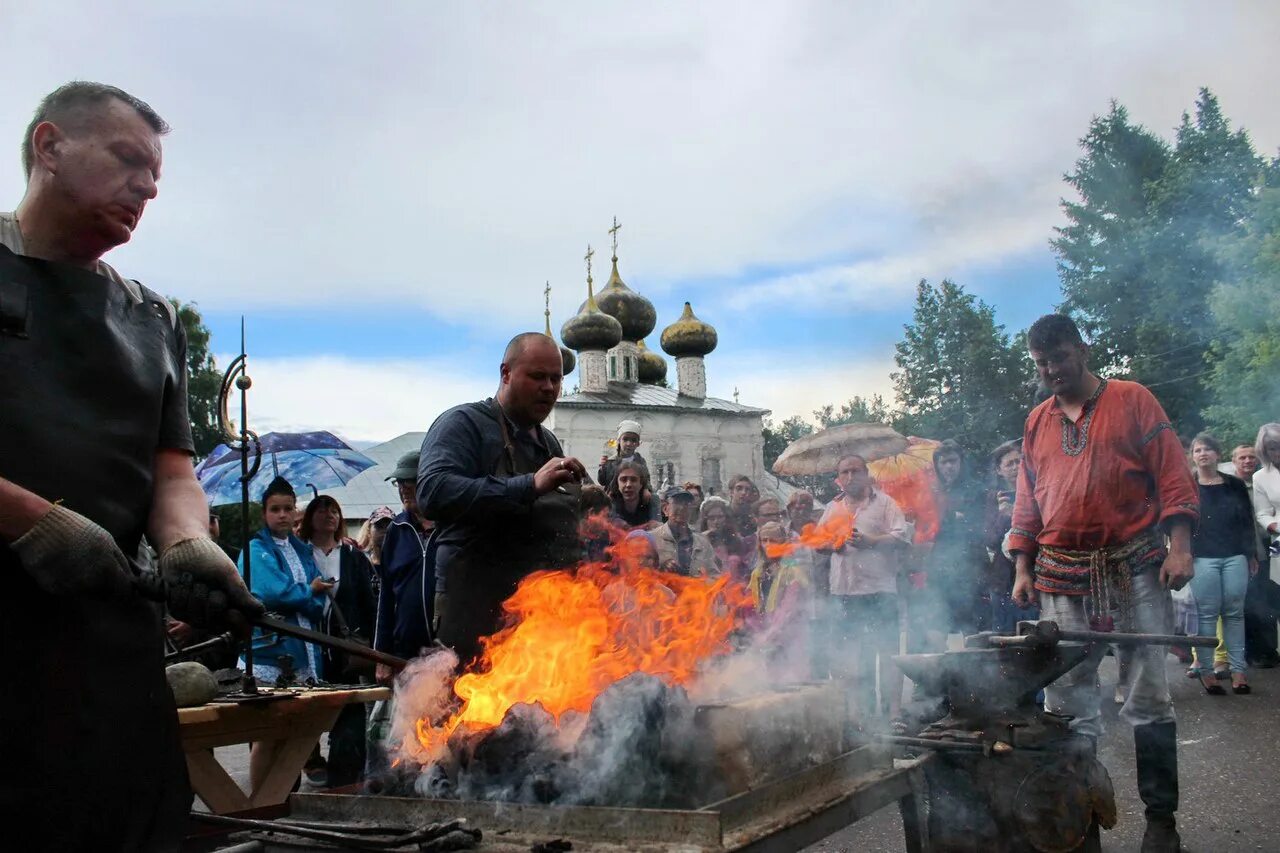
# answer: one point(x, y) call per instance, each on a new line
point(1103, 483)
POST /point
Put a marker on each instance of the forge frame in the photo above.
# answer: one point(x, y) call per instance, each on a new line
point(781, 815)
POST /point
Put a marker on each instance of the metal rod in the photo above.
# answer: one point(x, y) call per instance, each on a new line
point(410, 835)
point(195, 648)
point(360, 650)
point(250, 684)
point(1139, 639)
point(939, 745)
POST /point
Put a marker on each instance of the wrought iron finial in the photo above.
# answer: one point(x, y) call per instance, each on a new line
point(590, 253)
point(613, 235)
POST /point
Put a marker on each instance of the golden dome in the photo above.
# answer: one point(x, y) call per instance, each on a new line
point(651, 367)
point(689, 336)
point(636, 313)
point(591, 328)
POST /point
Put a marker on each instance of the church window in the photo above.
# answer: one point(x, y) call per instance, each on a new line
point(626, 369)
point(613, 367)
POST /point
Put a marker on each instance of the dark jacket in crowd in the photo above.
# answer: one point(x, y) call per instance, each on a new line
point(1227, 526)
point(646, 511)
point(354, 595)
point(493, 527)
point(957, 564)
point(406, 589)
point(609, 469)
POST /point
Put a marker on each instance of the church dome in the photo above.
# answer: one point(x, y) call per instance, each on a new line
point(689, 336)
point(651, 367)
point(636, 313)
point(568, 361)
point(591, 329)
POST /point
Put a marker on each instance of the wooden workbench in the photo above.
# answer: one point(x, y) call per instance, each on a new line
point(289, 727)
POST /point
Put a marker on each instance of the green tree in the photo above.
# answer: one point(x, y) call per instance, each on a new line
point(1140, 252)
point(959, 377)
point(203, 380)
point(1246, 373)
point(858, 410)
point(778, 437)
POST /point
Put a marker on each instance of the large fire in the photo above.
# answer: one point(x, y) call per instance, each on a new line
point(575, 632)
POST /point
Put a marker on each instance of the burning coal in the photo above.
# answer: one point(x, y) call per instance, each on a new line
point(581, 698)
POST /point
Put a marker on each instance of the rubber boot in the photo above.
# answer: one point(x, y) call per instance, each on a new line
point(1156, 748)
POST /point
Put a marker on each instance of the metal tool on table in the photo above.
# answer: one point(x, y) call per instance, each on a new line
point(152, 586)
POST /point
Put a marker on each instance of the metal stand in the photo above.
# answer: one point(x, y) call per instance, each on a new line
point(241, 441)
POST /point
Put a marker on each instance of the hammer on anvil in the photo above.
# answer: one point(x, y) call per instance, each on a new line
point(1046, 633)
point(153, 587)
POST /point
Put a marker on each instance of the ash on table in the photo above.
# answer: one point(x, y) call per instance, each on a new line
point(637, 748)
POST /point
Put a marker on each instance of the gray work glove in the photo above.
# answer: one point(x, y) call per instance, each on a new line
point(68, 554)
point(204, 588)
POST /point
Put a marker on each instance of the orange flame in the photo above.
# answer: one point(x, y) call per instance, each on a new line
point(575, 632)
point(829, 535)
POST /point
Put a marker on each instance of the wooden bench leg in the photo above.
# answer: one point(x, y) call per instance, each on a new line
point(213, 785)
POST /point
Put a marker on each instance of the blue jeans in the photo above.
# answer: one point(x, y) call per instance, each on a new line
point(1218, 586)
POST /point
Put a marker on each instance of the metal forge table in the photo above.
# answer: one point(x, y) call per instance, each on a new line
point(783, 815)
point(290, 721)
point(789, 773)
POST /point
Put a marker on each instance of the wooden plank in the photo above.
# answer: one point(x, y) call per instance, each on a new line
point(212, 784)
point(198, 714)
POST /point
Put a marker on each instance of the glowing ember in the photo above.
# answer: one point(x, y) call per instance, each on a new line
point(574, 633)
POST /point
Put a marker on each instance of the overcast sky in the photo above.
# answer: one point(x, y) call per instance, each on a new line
point(382, 189)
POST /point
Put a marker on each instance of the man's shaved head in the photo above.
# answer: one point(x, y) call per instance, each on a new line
point(517, 346)
point(531, 375)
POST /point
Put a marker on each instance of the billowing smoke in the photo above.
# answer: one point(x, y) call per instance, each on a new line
point(644, 742)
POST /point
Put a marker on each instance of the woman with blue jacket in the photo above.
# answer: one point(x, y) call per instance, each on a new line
point(284, 577)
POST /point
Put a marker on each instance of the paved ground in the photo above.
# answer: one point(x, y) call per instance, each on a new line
point(1229, 755)
point(1229, 764)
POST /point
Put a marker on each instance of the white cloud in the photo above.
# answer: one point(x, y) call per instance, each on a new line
point(358, 399)
point(372, 400)
point(456, 155)
point(799, 386)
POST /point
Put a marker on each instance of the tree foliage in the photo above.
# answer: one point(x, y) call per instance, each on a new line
point(203, 380)
point(1142, 248)
point(958, 374)
point(1246, 373)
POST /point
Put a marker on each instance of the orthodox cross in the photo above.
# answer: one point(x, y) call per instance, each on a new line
point(735, 394)
point(613, 234)
point(546, 306)
point(587, 258)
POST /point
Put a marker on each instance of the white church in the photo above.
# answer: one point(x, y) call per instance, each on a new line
point(685, 435)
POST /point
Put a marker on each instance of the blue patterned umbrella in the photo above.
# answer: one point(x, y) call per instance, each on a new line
point(318, 459)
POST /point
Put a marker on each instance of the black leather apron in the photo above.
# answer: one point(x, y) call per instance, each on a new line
point(485, 571)
point(88, 731)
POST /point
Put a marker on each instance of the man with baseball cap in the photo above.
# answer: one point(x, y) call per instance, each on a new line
point(406, 574)
point(681, 549)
